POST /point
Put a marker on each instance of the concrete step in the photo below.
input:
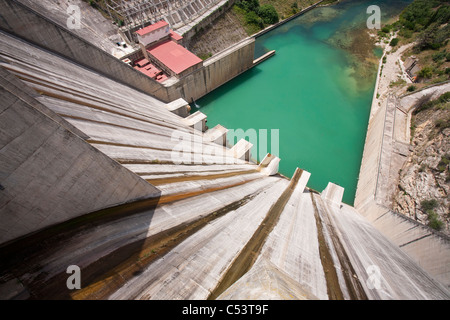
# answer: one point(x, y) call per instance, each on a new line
point(252, 250)
point(218, 135)
point(241, 150)
point(197, 121)
point(370, 262)
point(180, 107)
point(333, 194)
point(269, 165)
point(292, 246)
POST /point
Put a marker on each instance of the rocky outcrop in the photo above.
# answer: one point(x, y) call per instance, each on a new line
point(219, 35)
point(424, 183)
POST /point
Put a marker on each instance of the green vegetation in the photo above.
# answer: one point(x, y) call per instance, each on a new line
point(433, 218)
point(204, 56)
point(426, 72)
point(425, 22)
point(411, 88)
point(397, 83)
point(427, 205)
point(268, 14)
point(254, 16)
point(443, 164)
point(440, 103)
point(394, 42)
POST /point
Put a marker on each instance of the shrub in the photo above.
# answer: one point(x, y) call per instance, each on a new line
point(433, 220)
point(438, 56)
point(445, 160)
point(411, 88)
point(442, 124)
point(427, 205)
point(294, 8)
point(394, 42)
point(426, 72)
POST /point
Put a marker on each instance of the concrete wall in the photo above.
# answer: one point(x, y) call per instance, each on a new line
point(23, 22)
point(216, 71)
point(368, 175)
point(49, 174)
point(430, 249)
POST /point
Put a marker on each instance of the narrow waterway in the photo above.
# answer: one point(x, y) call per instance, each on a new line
point(316, 90)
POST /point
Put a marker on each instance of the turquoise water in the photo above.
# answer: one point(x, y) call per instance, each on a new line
point(316, 90)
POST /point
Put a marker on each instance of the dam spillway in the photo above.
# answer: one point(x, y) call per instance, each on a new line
point(88, 178)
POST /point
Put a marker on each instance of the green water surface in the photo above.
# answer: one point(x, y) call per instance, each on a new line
point(314, 90)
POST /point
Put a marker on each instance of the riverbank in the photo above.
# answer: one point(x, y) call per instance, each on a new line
point(386, 151)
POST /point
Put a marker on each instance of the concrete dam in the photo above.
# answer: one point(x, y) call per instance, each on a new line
point(98, 173)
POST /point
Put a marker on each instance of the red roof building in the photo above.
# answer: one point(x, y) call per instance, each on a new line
point(152, 27)
point(175, 37)
point(175, 57)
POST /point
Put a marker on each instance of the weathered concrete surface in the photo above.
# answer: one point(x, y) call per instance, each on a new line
point(52, 36)
point(23, 22)
point(94, 27)
point(266, 282)
point(385, 151)
point(50, 175)
point(292, 246)
point(202, 259)
point(209, 226)
point(384, 270)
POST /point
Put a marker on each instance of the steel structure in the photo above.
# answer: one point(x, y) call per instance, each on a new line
point(140, 12)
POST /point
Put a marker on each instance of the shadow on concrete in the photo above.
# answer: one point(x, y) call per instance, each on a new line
point(26, 256)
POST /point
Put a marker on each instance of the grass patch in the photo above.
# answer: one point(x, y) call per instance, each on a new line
point(434, 221)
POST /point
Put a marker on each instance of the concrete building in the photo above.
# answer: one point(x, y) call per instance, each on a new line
point(163, 56)
point(150, 204)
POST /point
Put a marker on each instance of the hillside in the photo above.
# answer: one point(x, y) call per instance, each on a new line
point(244, 18)
point(424, 189)
point(421, 34)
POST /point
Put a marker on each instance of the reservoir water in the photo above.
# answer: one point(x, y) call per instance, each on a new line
point(316, 90)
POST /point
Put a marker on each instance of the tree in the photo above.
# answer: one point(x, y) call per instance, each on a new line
point(268, 14)
point(248, 5)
